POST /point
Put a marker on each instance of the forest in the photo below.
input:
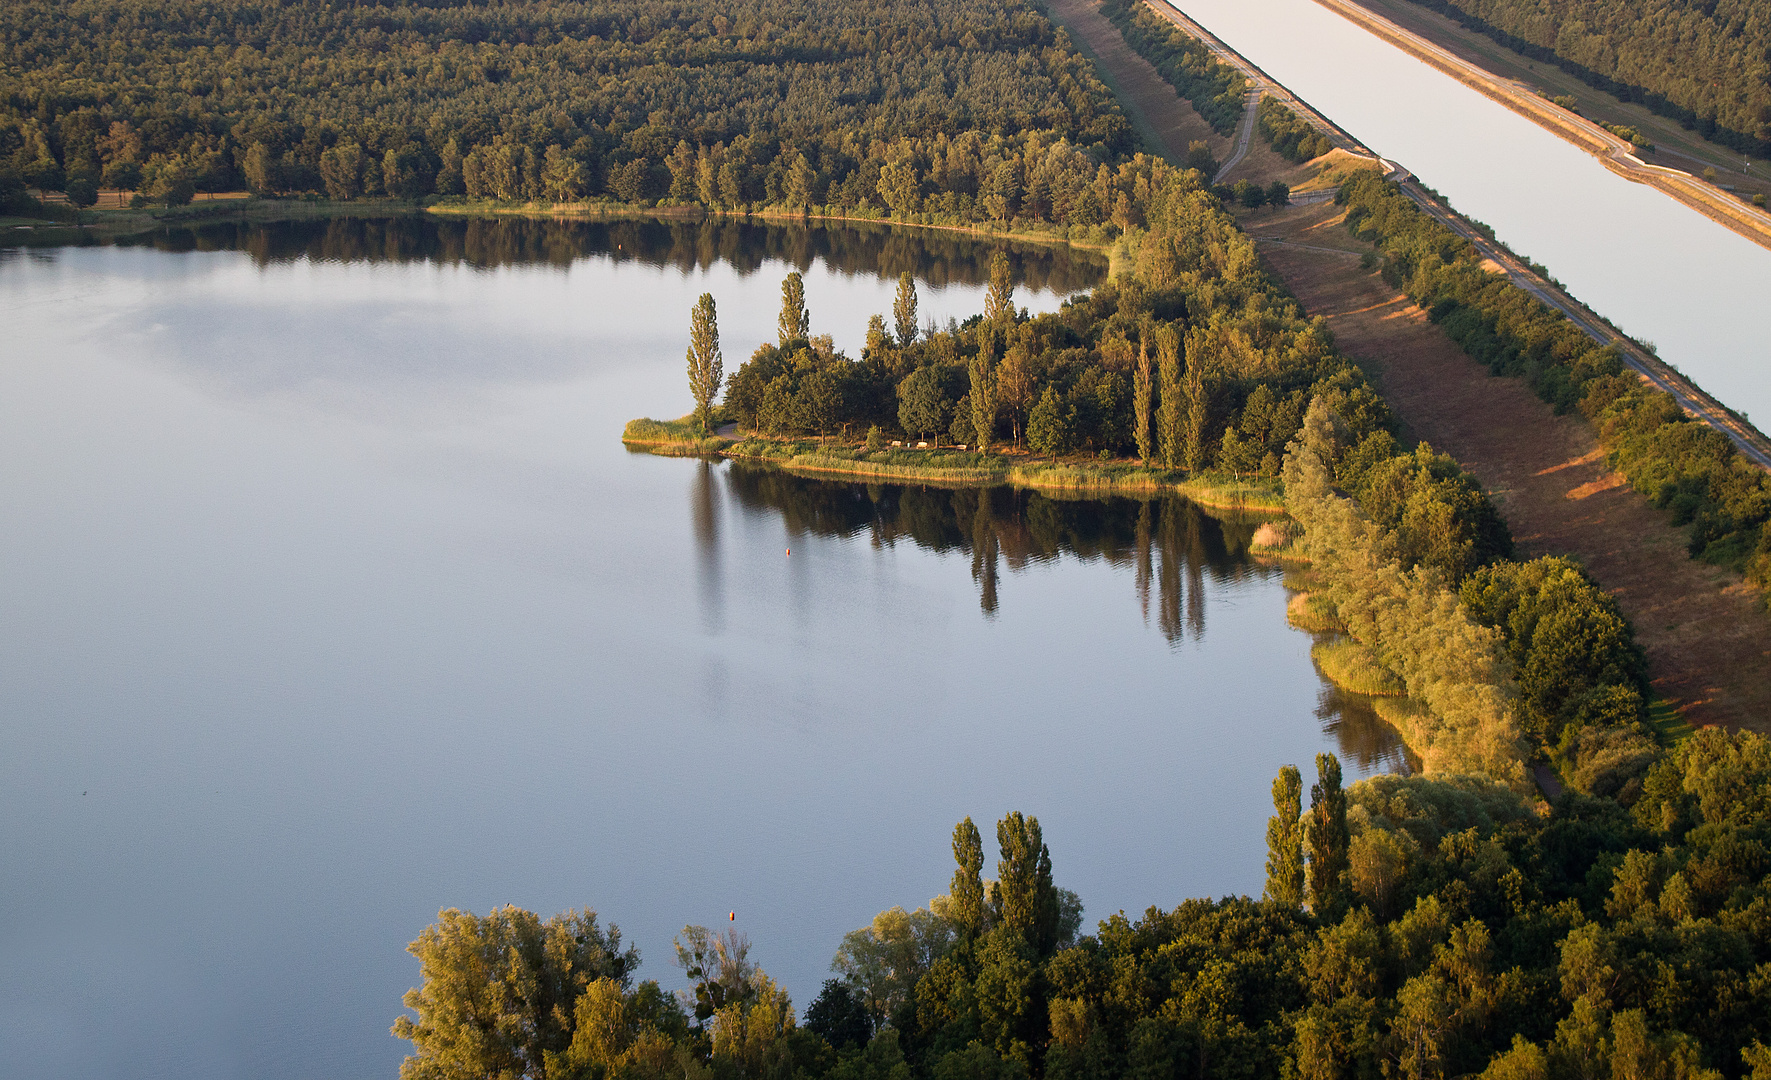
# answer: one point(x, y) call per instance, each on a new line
point(1707, 65)
point(1409, 927)
point(951, 108)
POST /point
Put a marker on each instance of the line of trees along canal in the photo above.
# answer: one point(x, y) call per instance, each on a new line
point(1409, 927)
point(1680, 464)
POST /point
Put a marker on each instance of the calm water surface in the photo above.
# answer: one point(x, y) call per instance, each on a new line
point(332, 599)
point(1654, 267)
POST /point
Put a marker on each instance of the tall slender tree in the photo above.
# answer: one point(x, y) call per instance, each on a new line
point(1143, 388)
point(1171, 412)
point(966, 893)
point(796, 321)
point(1197, 405)
point(1329, 855)
point(983, 391)
point(1014, 380)
point(1026, 899)
point(999, 298)
point(904, 309)
point(1285, 841)
point(706, 365)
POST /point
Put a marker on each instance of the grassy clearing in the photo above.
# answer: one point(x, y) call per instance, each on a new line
point(1409, 717)
point(1355, 668)
point(1312, 613)
point(671, 438)
point(1669, 727)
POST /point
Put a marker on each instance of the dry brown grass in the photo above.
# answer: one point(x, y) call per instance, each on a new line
point(1707, 635)
point(1144, 92)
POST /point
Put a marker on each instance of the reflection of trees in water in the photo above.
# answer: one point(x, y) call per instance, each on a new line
point(1168, 542)
point(704, 509)
point(1018, 527)
point(1365, 740)
point(939, 258)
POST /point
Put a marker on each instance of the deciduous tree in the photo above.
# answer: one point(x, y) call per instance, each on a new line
point(706, 365)
point(796, 321)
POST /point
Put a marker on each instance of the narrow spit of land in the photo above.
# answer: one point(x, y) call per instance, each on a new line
point(1707, 637)
point(1616, 154)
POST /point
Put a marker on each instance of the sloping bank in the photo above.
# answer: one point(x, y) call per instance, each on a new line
point(1491, 662)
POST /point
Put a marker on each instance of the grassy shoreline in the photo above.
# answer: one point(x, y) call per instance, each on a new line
point(1078, 477)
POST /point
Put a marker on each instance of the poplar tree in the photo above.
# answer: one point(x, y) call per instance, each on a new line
point(1026, 899)
point(1172, 411)
point(1328, 839)
point(796, 321)
point(983, 392)
point(1142, 388)
point(1285, 837)
point(999, 299)
point(1194, 388)
point(966, 893)
point(706, 366)
point(904, 309)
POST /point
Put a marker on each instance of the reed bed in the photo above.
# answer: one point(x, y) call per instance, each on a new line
point(1355, 668)
point(1313, 613)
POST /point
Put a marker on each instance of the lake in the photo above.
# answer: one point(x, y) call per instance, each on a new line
point(1657, 269)
point(333, 599)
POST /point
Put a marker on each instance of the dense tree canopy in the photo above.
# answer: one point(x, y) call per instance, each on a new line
point(855, 105)
point(1450, 929)
point(1705, 62)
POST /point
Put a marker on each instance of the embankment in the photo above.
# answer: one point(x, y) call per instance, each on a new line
point(1616, 154)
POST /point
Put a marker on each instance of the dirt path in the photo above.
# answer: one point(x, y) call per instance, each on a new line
point(1708, 638)
point(1158, 110)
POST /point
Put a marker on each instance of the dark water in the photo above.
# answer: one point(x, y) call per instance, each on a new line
point(332, 599)
point(937, 257)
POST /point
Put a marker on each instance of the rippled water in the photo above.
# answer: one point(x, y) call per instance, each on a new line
point(1656, 268)
point(332, 599)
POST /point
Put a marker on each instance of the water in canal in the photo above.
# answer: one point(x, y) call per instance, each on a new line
point(1657, 269)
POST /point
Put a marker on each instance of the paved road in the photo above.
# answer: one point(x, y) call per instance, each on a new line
point(1250, 109)
point(1259, 81)
point(1754, 446)
point(1617, 154)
